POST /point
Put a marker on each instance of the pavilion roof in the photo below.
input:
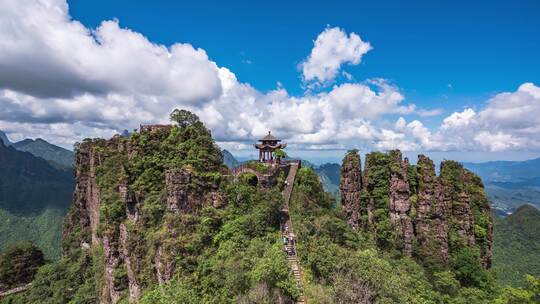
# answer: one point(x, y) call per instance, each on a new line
point(269, 137)
point(273, 147)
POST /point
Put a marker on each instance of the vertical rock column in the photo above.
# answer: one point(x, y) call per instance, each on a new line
point(351, 187)
point(431, 214)
point(452, 179)
point(80, 215)
point(92, 194)
point(85, 212)
point(177, 183)
point(132, 265)
point(400, 201)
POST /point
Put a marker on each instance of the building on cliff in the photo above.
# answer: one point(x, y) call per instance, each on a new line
point(267, 148)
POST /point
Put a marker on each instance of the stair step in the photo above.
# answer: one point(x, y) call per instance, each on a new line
point(293, 259)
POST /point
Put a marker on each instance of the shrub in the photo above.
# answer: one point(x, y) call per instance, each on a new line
point(19, 263)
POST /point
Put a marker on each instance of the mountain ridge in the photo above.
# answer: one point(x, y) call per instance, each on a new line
point(4, 139)
point(59, 157)
point(517, 245)
point(34, 196)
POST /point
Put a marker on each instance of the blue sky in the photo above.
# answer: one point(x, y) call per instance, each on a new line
point(478, 47)
point(462, 62)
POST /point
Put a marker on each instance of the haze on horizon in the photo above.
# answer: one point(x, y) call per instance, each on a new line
point(465, 87)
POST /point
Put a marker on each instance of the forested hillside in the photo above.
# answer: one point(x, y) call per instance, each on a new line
point(34, 197)
point(517, 246)
point(58, 157)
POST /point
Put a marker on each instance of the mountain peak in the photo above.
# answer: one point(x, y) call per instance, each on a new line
point(4, 139)
point(229, 159)
point(525, 210)
point(57, 156)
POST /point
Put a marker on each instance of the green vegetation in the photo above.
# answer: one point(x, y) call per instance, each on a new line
point(279, 154)
point(44, 229)
point(460, 183)
point(34, 197)
point(517, 246)
point(58, 157)
point(236, 254)
point(233, 252)
point(29, 184)
point(258, 166)
point(18, 264)
point(220, 254)
point(376, 197)
point(64, 281)
point(347, 266)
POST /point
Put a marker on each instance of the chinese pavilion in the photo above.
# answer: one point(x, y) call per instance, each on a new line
point(268, 145)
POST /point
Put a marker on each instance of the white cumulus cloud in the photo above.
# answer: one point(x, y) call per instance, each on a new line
point(62, 81)
point(332, 48)
point(459, 119)
point(509, 121)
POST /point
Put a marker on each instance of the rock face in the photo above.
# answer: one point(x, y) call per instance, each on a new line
point(400, 204)
point(117, 200)
point(351, 186)
point(411, 209)
point(431, 221)
point(177, 184)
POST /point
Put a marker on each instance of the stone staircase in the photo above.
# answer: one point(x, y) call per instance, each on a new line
point(287, 231)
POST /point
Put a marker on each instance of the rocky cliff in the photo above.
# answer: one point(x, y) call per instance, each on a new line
point(132, 204)
point(410, 209)
point(350, 188)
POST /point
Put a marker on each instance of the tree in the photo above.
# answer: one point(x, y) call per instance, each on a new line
point(19, 263)
point(279, 154)
point(184, 118)
point(529, 294)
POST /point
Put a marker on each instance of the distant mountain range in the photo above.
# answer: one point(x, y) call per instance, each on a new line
point(229, 160)
point(36, 189)
point(508, 171)
point(29, 183)
point(57, 156)
point(4, 139)
point(517, 245)
point(329, 175)
point(510, 184)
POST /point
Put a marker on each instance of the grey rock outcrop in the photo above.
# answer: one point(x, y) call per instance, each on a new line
point(351, 187)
